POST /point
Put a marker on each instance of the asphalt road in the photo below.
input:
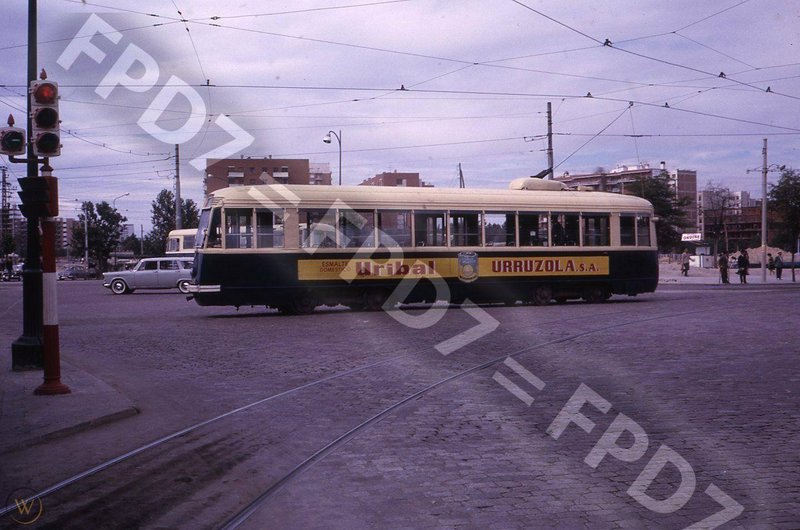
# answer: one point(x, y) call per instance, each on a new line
point(661, 411)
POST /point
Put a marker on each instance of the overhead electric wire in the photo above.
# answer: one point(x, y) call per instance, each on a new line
point(592, 138)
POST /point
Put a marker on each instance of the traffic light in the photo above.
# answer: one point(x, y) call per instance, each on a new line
point(45, 118)
point(39, 196)
point(12, 139)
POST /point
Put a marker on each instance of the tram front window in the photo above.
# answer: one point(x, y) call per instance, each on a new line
point(208, 231)
point(627, 230)
point(643, 230)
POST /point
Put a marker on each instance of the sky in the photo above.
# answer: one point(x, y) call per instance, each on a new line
point(410, 85)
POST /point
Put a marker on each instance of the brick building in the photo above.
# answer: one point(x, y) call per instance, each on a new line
point(227, 172)
point(396, 179)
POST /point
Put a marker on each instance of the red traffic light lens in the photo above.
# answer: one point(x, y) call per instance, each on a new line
point(45, 94)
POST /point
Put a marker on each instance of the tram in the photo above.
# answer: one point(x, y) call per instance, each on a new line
point(294, 247)
point(181, 242)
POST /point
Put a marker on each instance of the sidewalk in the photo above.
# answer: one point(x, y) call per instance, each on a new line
point(28, 419)
point(670, 273)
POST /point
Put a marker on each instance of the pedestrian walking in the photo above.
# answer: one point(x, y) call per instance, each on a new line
point(685, 262)
point(742, 263)
point(770, 263)
point(723, 268)
point(778, 266)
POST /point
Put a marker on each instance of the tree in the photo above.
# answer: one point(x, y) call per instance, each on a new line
point(105, 228)
point(784, 200)
point(131, 244)
point(717, 203)
point(667, 207)
point(163, 218)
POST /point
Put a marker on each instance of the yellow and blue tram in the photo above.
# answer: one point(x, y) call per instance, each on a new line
point(294, 247)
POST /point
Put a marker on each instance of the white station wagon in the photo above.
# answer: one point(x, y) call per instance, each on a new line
point(151, 273)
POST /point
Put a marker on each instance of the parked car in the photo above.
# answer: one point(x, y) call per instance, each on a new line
point(14, 276)
point(74, 272)
point(151, 273)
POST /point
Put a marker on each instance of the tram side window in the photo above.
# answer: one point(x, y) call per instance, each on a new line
point(238, 228)
point(317, 228)
point(627, 230)
point(565, 229)
point(429, 229)
point(465, 229)
point(356, 228)
point(500, 229)
point(269, 228)
point(643, 230)
point(596, 231)
point(394, 227)
point(533, 229)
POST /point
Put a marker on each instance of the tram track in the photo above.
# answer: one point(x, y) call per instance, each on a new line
point(349, 433)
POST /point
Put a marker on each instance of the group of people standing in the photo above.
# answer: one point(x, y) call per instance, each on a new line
point(742, 264)
point(775, 266)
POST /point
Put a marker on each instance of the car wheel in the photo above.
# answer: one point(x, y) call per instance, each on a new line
point(183, 286)
point(119, 287)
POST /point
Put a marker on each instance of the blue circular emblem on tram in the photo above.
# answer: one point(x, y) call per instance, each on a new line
point(467, 266)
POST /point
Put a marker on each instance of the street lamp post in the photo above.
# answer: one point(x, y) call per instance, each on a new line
point(327, 140)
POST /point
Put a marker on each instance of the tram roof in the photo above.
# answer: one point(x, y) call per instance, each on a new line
point(427, 198)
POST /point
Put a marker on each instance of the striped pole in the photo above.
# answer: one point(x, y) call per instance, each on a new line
point(52, 384)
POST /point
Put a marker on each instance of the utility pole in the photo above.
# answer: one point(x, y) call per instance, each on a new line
point(178, 210)
point(27, 350)
point(550, 139)
point(764, 170)
point(5, 212)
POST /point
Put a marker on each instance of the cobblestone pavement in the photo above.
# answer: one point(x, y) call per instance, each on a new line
point(710, 374)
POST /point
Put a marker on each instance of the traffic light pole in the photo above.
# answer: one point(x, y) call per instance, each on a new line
point(27, 350)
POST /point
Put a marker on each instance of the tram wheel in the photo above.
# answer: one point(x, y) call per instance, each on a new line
point(374, 299)
point(561, 300)
point(595, 295)
point(542, 294)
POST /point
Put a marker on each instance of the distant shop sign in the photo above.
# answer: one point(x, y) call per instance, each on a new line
point(692, 237)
